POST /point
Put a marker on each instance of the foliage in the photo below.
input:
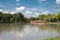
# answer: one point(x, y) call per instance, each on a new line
point(17, 17)
point(50, 18)
point(56, 38)
point(32, 19)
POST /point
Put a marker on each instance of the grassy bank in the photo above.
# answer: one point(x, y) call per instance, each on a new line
point(55, 38)
point(53, 23)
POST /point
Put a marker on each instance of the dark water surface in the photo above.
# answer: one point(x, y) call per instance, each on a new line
point(28, 32)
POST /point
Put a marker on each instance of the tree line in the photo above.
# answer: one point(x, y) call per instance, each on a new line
point(7, 17)
point(48, 17)
point(19, 17)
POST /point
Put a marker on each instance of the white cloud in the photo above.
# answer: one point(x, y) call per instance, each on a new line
point(36, 13)
point(20, 8)
point(58, 1)
point(33, 9)
point(27, 12)
point(45, 12)
point(5, 12)
point(31, 14)
point(1, 10)
point(17, 0)
point(13, 12)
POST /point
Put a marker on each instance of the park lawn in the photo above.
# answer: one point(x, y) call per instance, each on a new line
point(55, 38)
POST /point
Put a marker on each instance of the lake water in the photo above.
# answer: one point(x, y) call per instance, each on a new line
point(16, 31)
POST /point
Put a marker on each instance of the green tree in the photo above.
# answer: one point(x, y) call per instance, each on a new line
point(42, 17)
point(1, 16)
point(32, 18)
point(7, 17)
point(17, 17)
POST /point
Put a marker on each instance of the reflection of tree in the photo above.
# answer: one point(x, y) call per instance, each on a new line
point(10, 27)
point(58, 29)
point(18, 26)
point(53, 27)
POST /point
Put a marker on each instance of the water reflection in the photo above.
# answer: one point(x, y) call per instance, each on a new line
point(52, 27)
point(27, 32)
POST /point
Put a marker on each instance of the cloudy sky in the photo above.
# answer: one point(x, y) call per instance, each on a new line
point(30, 8)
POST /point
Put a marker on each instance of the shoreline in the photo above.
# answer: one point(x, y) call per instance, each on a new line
point(47, 23)
point(54, 38)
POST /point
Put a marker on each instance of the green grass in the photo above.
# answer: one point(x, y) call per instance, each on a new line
point(55, 38)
